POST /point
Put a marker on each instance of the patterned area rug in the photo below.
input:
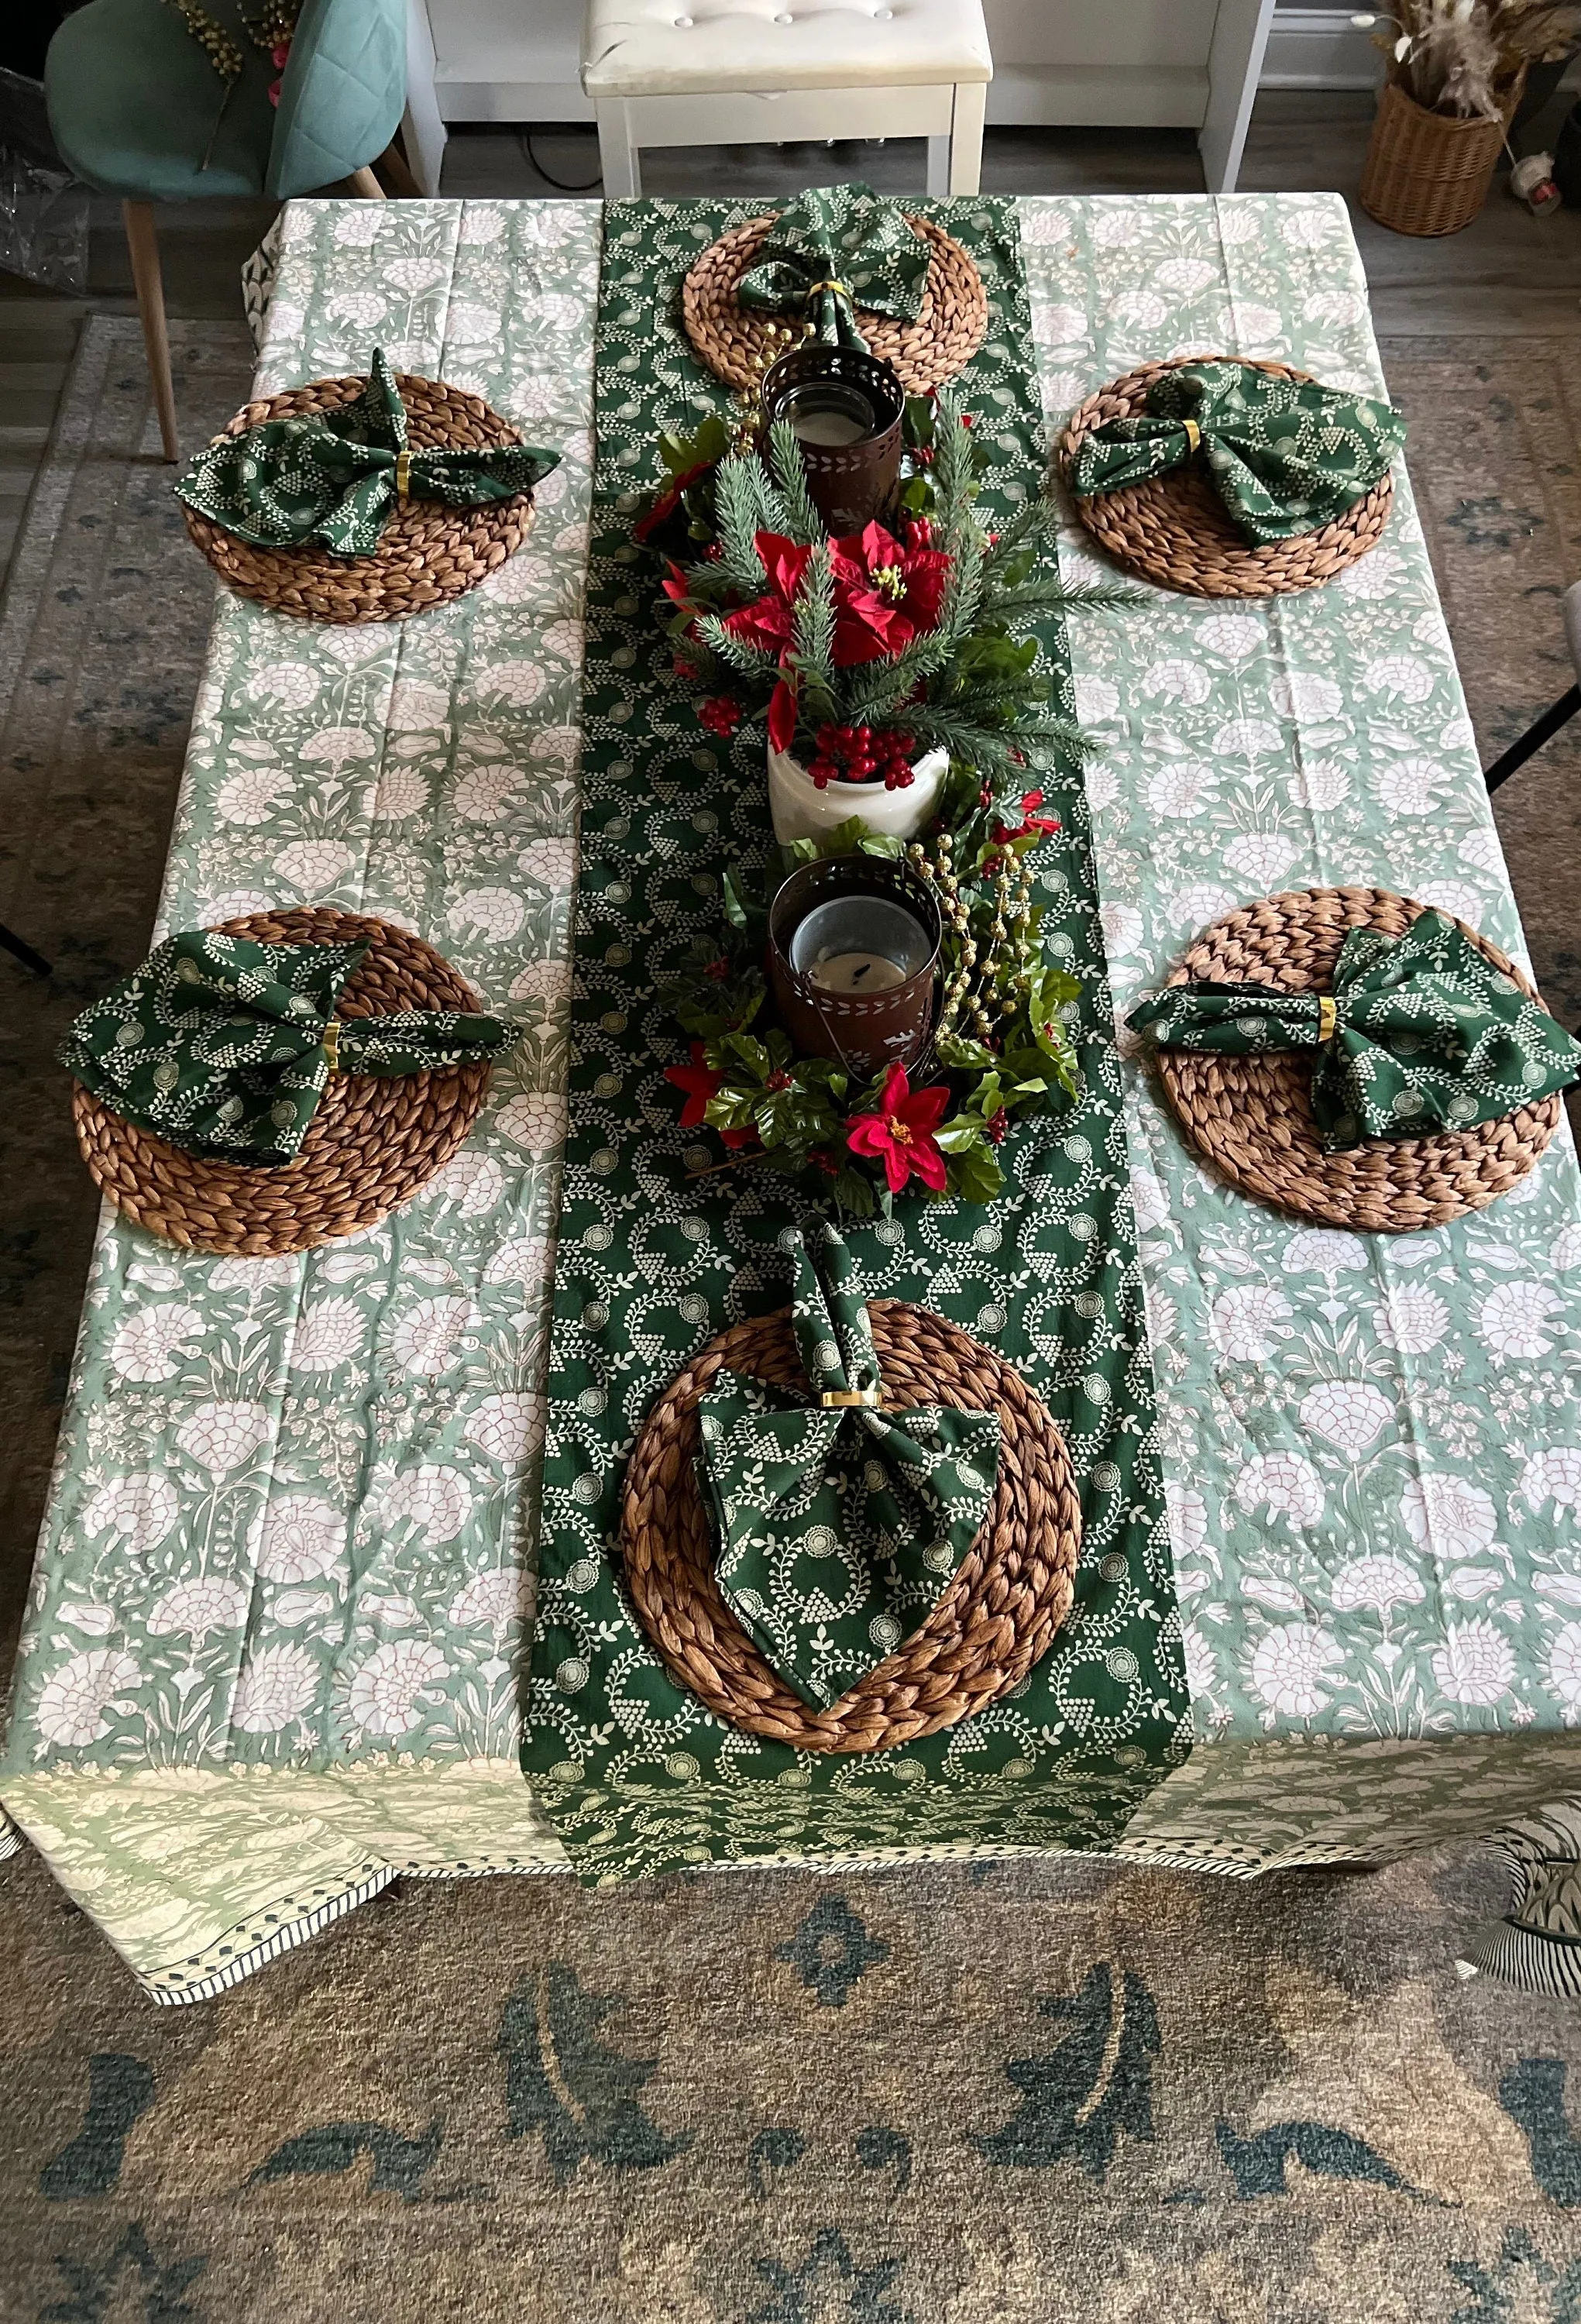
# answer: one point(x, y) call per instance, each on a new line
point(1012, 2094)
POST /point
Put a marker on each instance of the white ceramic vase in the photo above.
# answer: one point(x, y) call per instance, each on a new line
point(802, 811)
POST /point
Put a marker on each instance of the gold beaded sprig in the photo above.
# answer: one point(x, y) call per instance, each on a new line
point(269, 27)
point(222, 49)
point(777, 339)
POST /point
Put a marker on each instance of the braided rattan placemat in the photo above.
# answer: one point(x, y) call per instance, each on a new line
point(372, 1142)
point(1010, 1595)
point(1176, 531)
point(427, 553)
point(735, 345)
point(1251, 1117)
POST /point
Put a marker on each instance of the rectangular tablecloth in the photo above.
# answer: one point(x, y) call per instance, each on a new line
point(270, 1654)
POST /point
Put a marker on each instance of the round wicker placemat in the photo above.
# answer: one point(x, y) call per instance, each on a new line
point(1009, 1595)
point(948, 330)
point(373, 1140)
point(1176, 531)
point(427, 553)
point(1251, 1117)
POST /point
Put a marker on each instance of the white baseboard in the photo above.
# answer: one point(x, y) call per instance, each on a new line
point(1320, 48)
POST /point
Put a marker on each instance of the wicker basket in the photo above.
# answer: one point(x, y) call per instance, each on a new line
point(1426, 172)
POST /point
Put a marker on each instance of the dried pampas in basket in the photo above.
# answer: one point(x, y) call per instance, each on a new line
point(1456, 70)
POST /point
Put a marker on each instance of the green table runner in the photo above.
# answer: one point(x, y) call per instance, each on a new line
point(657, 1255)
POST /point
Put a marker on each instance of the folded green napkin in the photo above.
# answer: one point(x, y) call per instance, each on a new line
point(224, 1046)
point(1420, 1033)
point(1286, 458)
point(837, 247)
point(335, 476)
point(838, 1529)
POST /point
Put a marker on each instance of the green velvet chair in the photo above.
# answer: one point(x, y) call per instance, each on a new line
point(137, 109)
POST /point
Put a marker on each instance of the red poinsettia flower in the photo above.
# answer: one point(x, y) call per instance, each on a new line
point(769, 622)
point(885, 592)
point(1042, 825)
point(676, 588)
point(699, 1080)
point(669, 501)
point(901, 1133)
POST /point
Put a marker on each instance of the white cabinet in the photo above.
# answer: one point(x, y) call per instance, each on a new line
point(1189, 64)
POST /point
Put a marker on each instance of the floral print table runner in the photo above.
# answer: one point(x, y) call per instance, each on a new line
point(1372, 1450)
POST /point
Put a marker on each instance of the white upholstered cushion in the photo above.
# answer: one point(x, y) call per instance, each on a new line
point(654, 47)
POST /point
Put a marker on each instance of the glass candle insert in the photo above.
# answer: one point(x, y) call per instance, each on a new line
point(858, 945)
point(830, 413)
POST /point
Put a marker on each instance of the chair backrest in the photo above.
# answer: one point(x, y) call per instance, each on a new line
point(343, 94)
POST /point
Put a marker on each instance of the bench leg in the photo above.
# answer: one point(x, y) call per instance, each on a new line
point(618, 157)
point(966, 139)
point(142, 243)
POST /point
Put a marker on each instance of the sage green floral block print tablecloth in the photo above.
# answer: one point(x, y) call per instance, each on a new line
point(274, 1648)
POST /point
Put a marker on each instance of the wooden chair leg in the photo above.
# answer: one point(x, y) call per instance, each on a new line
point(398, 170)
point(364, 182)
point(142, 243)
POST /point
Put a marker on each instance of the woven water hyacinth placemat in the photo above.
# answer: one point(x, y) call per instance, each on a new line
point(1251, 1117)
point(945, 334)
point(1013, 1590)
point(1175, 529)
point(373, 1140)
point(429, 551)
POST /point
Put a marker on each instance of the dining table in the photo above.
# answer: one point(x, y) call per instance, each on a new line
point(274, 1654)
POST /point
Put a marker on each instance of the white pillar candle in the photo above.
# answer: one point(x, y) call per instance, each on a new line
point(856, 973)
point(827, 428)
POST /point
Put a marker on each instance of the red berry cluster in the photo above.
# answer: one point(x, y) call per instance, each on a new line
point(855, 754)
point(722, 716)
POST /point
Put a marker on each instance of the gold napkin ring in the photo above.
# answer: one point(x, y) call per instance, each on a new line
point(1193, 436)
point(844, 289)
point(331, 1044)
point(403, 474)
point(847, 1399)
point(1328, 1016)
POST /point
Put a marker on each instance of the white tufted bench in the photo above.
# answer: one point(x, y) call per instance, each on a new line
point(745, 72)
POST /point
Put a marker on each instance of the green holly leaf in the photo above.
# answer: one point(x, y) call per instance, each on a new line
point(963, 1055)
point(975, 1173)
point(854, 1193)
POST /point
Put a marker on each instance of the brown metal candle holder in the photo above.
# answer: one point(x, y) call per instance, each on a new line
point(864, 1032)
point(850, 482)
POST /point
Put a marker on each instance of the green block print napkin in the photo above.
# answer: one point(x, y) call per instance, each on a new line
point(834, 247)
point(839, 1528)
point(225, 1046)
point(1286, 458)
point(335, 476)
point(1421, 1032)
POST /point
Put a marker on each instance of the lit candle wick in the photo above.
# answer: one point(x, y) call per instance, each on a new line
point(857, 971)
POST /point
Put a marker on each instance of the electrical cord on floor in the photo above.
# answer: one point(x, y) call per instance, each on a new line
point(559, 184)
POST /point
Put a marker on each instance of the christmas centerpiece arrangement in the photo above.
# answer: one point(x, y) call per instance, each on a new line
point(875, 1028)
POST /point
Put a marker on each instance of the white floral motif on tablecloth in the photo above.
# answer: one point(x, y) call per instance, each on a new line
point(1373, 1444)
point(279, 1480)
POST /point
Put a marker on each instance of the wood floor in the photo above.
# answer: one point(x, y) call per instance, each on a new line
point(1509, 274)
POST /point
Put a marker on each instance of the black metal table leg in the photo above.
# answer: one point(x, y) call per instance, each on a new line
point(1543, 731)
point(23, 953)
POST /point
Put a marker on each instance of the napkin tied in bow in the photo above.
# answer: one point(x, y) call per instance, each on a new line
point(1420, 1033)
point(224, 1046)
point(1287, 457)
point(336, 476)
point(839, 1528)
point(836, 248)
